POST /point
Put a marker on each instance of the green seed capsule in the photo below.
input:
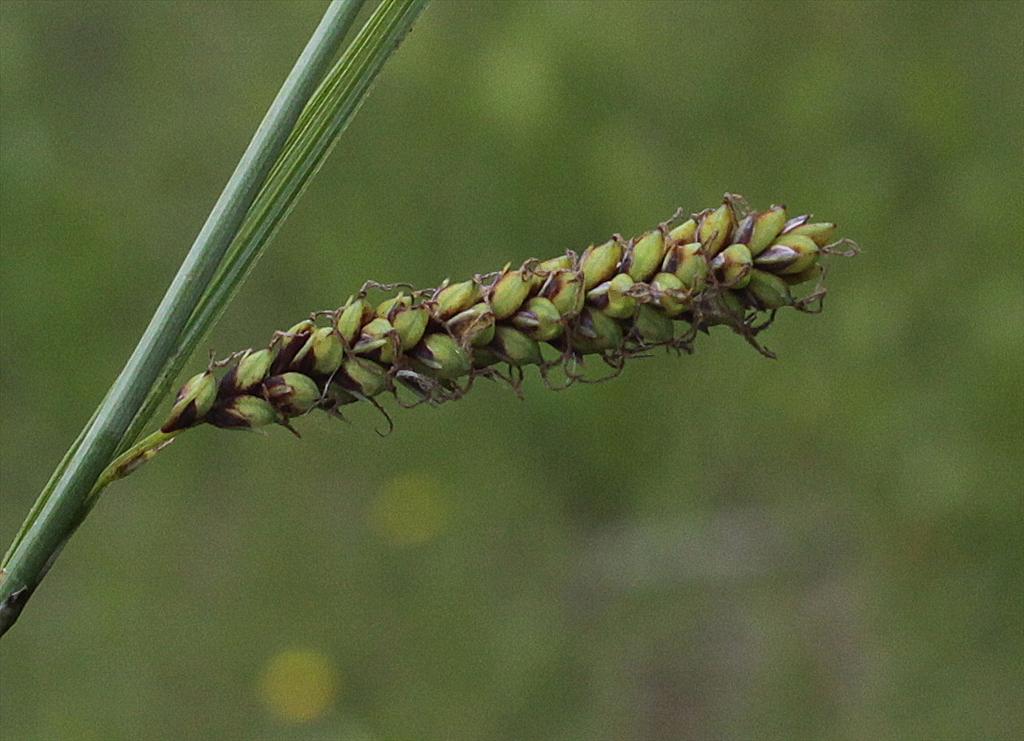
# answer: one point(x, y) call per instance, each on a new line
point(684, 233)
point(305, 327)
point(767, 225)
point(539, 319)
point(193, 402)
point(599, 262)
point(621, 304)
point(596, 332)
point(248, 372)
point(362, 376)
point(687, 262)
point(562, 262)
point(410, 323)
point(474, 326)
point(291, 341)
point(768, 291)
point(356, 313)
point(652, 326)
point(715, 229)
point(811, 273)
point(564, 288)
point(613, 298)
point(666, 289)
point(336, 396)
point(508, 293)
point(322, 353)
point(385, 308)
point(819, 233)
point(729, 302)
point(733, 265)
point(442, 356)
point(540, 272)
point(644, 256)
point(450, 300)
point(514, 347)
point(806, 253)
point(375, 335)
point(484, 357)
point(244, 412)
point(291, 394)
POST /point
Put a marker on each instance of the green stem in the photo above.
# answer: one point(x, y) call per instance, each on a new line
point(66, 500)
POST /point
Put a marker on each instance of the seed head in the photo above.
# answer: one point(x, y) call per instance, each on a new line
point(618, 299)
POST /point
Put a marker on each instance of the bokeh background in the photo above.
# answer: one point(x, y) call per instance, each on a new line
point(827, 546)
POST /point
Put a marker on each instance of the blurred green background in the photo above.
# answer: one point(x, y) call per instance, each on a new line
point(827, 546)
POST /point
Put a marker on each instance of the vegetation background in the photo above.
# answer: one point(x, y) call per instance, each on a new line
point(823, 547)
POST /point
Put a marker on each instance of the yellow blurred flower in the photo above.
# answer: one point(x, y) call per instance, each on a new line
point(410, 509)
point(298, 685)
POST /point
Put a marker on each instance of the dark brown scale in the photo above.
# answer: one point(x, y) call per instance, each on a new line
point(289, 349)
point(186, 419)
point(745, 230)
point(796, 221)
point(228, 385)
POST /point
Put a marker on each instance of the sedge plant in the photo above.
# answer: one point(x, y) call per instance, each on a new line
point(619, 299)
